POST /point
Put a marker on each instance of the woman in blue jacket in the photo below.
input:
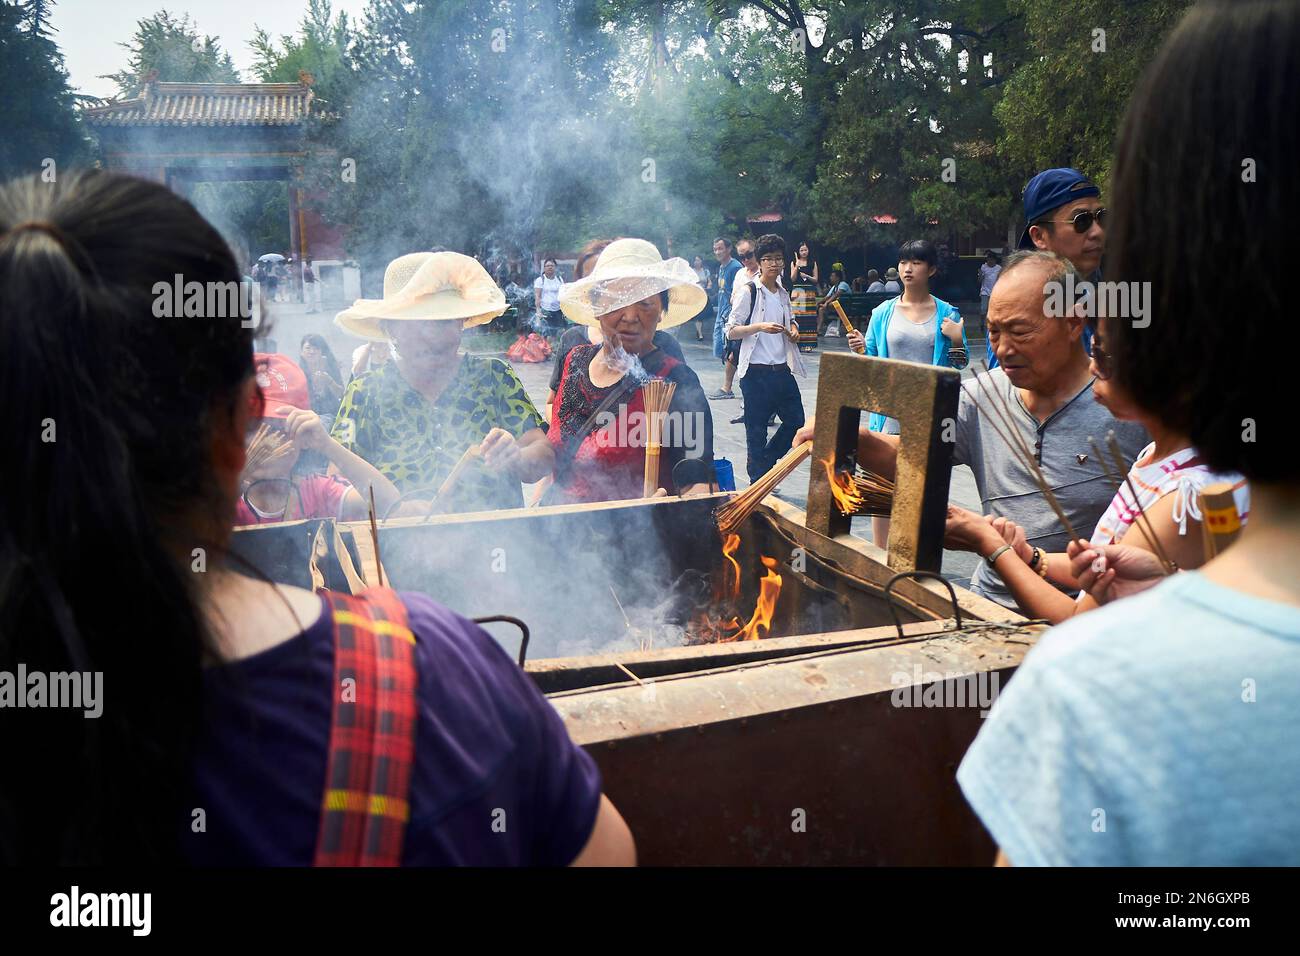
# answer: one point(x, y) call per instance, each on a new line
point(916, 327)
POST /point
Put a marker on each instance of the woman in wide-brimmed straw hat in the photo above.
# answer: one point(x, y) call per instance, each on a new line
point(582, 334)
point(598, 426)
point(414, 417)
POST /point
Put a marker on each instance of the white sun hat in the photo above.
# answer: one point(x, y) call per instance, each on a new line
point(627, 271)
point(427, 286)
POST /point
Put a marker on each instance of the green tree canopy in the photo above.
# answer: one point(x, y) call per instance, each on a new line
point(1064, 104)
point(38, 108)
point(498, 126)
point(175, 48)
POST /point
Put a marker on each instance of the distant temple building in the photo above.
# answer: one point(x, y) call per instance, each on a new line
point(181, 134)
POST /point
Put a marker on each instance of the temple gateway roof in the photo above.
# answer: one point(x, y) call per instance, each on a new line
point(209, 104)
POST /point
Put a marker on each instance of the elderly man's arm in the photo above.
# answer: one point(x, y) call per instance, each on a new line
point(878, 453)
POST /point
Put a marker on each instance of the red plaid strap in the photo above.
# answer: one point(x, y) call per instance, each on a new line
point(372, 735)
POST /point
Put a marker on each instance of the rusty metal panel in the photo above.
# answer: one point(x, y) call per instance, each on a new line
point(921, 397)
point(720, 768)
point(557, 674)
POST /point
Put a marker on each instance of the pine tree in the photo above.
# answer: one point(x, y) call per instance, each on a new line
point(38, 108)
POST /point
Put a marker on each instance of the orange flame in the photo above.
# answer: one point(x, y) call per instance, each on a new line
point(708, 628)
point(843, 491)
point(768, 591)
point(730, 544)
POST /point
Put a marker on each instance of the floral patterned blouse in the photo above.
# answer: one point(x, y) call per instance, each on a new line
point(416, 443)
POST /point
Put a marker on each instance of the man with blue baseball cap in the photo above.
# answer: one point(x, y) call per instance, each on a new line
point(1064, 215)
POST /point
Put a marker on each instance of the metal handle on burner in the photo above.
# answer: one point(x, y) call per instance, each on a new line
point(893, 608)
point(507, 619)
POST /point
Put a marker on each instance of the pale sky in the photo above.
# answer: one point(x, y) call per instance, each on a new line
point(89, 31)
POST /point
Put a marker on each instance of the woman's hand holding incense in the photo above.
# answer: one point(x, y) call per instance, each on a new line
point(305, 432)
point(856, 341)
point(303, 427)
point(500, 452)
point(1113, 571)
point(952, 330)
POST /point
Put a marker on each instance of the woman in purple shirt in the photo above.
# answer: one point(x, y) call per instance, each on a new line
point(217, 738)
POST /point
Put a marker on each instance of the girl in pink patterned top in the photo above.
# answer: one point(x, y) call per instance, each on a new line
point(271, 492)
point(1167, 477)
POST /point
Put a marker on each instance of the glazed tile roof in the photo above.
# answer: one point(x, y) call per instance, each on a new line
point(209, 104)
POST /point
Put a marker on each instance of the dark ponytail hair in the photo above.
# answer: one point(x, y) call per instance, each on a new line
point(1181, 201)
point(109, 411)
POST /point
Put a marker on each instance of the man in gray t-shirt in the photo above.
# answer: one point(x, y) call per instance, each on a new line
point(1046, 386)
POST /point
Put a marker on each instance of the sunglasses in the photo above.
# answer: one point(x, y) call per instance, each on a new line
point(1083, 221)
point(746, 255)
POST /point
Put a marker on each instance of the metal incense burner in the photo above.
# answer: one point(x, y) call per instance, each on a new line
point(833, 739)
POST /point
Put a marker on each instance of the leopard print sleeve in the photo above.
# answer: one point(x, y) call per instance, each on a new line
point(347, 423)
point(518, 414)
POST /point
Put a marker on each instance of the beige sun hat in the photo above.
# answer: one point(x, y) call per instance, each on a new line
point(396, 276)
point(427, 286)
point(627, 271)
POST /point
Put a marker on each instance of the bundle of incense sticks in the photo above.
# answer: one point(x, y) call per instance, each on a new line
point(876, 493)
point(1119, 476)
point(848, 326)
point(265, 446)
point(657, 395)
point(731, 515)
point(472, 453)
point(1016, 442)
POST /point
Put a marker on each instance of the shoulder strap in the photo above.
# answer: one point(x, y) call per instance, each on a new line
point(753, 298)
point(366, 802)
point(569, 450)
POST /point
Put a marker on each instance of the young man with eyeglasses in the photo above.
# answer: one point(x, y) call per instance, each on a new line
point(748, 272)
point(1064, 215)
point(762, 322)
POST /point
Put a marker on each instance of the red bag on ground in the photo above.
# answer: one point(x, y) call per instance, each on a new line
point(529, 348)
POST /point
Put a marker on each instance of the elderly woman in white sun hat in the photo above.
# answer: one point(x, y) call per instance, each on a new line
point(598, 426)
point(414, 417)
